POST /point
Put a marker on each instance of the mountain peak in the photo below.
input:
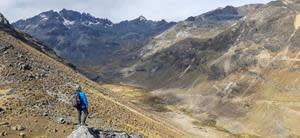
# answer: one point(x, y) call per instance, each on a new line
point(50, 12)
point(3, 20)
point(85, 18)
point(229, 9)
point(141, 18)
point(224, 11)
point(66, 11)
point(70, 14)
point(47, 15)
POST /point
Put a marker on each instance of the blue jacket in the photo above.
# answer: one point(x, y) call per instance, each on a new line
point(83, 100)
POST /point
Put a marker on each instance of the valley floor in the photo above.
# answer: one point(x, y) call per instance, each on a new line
point(168, 114)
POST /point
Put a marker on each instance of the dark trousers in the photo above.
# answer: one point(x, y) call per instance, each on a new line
point(79, 113)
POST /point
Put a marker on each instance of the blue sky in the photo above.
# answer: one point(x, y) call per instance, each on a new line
point(117, 10)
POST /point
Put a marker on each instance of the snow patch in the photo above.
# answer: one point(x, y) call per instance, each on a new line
point(108, 25)
point(92, 23)
point(44, 17)
point(68, 22)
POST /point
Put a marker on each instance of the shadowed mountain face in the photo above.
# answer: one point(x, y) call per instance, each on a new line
point(87, 41)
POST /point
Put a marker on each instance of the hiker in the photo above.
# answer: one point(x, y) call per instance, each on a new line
point(80, 102)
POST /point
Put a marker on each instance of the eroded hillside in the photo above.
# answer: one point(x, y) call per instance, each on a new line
point(178, 56)
point(243, 81)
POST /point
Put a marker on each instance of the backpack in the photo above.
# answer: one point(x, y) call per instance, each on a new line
point(75, 100)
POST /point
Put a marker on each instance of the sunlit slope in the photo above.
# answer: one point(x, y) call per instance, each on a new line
point(249, 87)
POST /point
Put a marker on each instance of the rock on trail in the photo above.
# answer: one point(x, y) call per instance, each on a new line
point(84, 132)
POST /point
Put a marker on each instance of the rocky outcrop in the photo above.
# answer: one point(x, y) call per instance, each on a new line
point(81, 132)
point(84, 132)
point(3, 20)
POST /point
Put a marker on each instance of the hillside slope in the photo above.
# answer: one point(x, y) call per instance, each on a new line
point(243, 81)
point(34, 91)
point(207, 25)
point(178, 56)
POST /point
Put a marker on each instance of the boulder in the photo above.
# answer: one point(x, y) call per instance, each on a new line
point(22, 134)
point(25, 67)
point(45, 114)
point(13, 128)
point(20, 128)
point(17, 128)
point(81, 132)
point(61, 120)
point(84, 132)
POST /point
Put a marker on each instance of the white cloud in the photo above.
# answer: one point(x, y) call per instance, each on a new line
point(117, 10)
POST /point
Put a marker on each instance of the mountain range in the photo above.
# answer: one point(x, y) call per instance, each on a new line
point(105, 51)
point(87, 41)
